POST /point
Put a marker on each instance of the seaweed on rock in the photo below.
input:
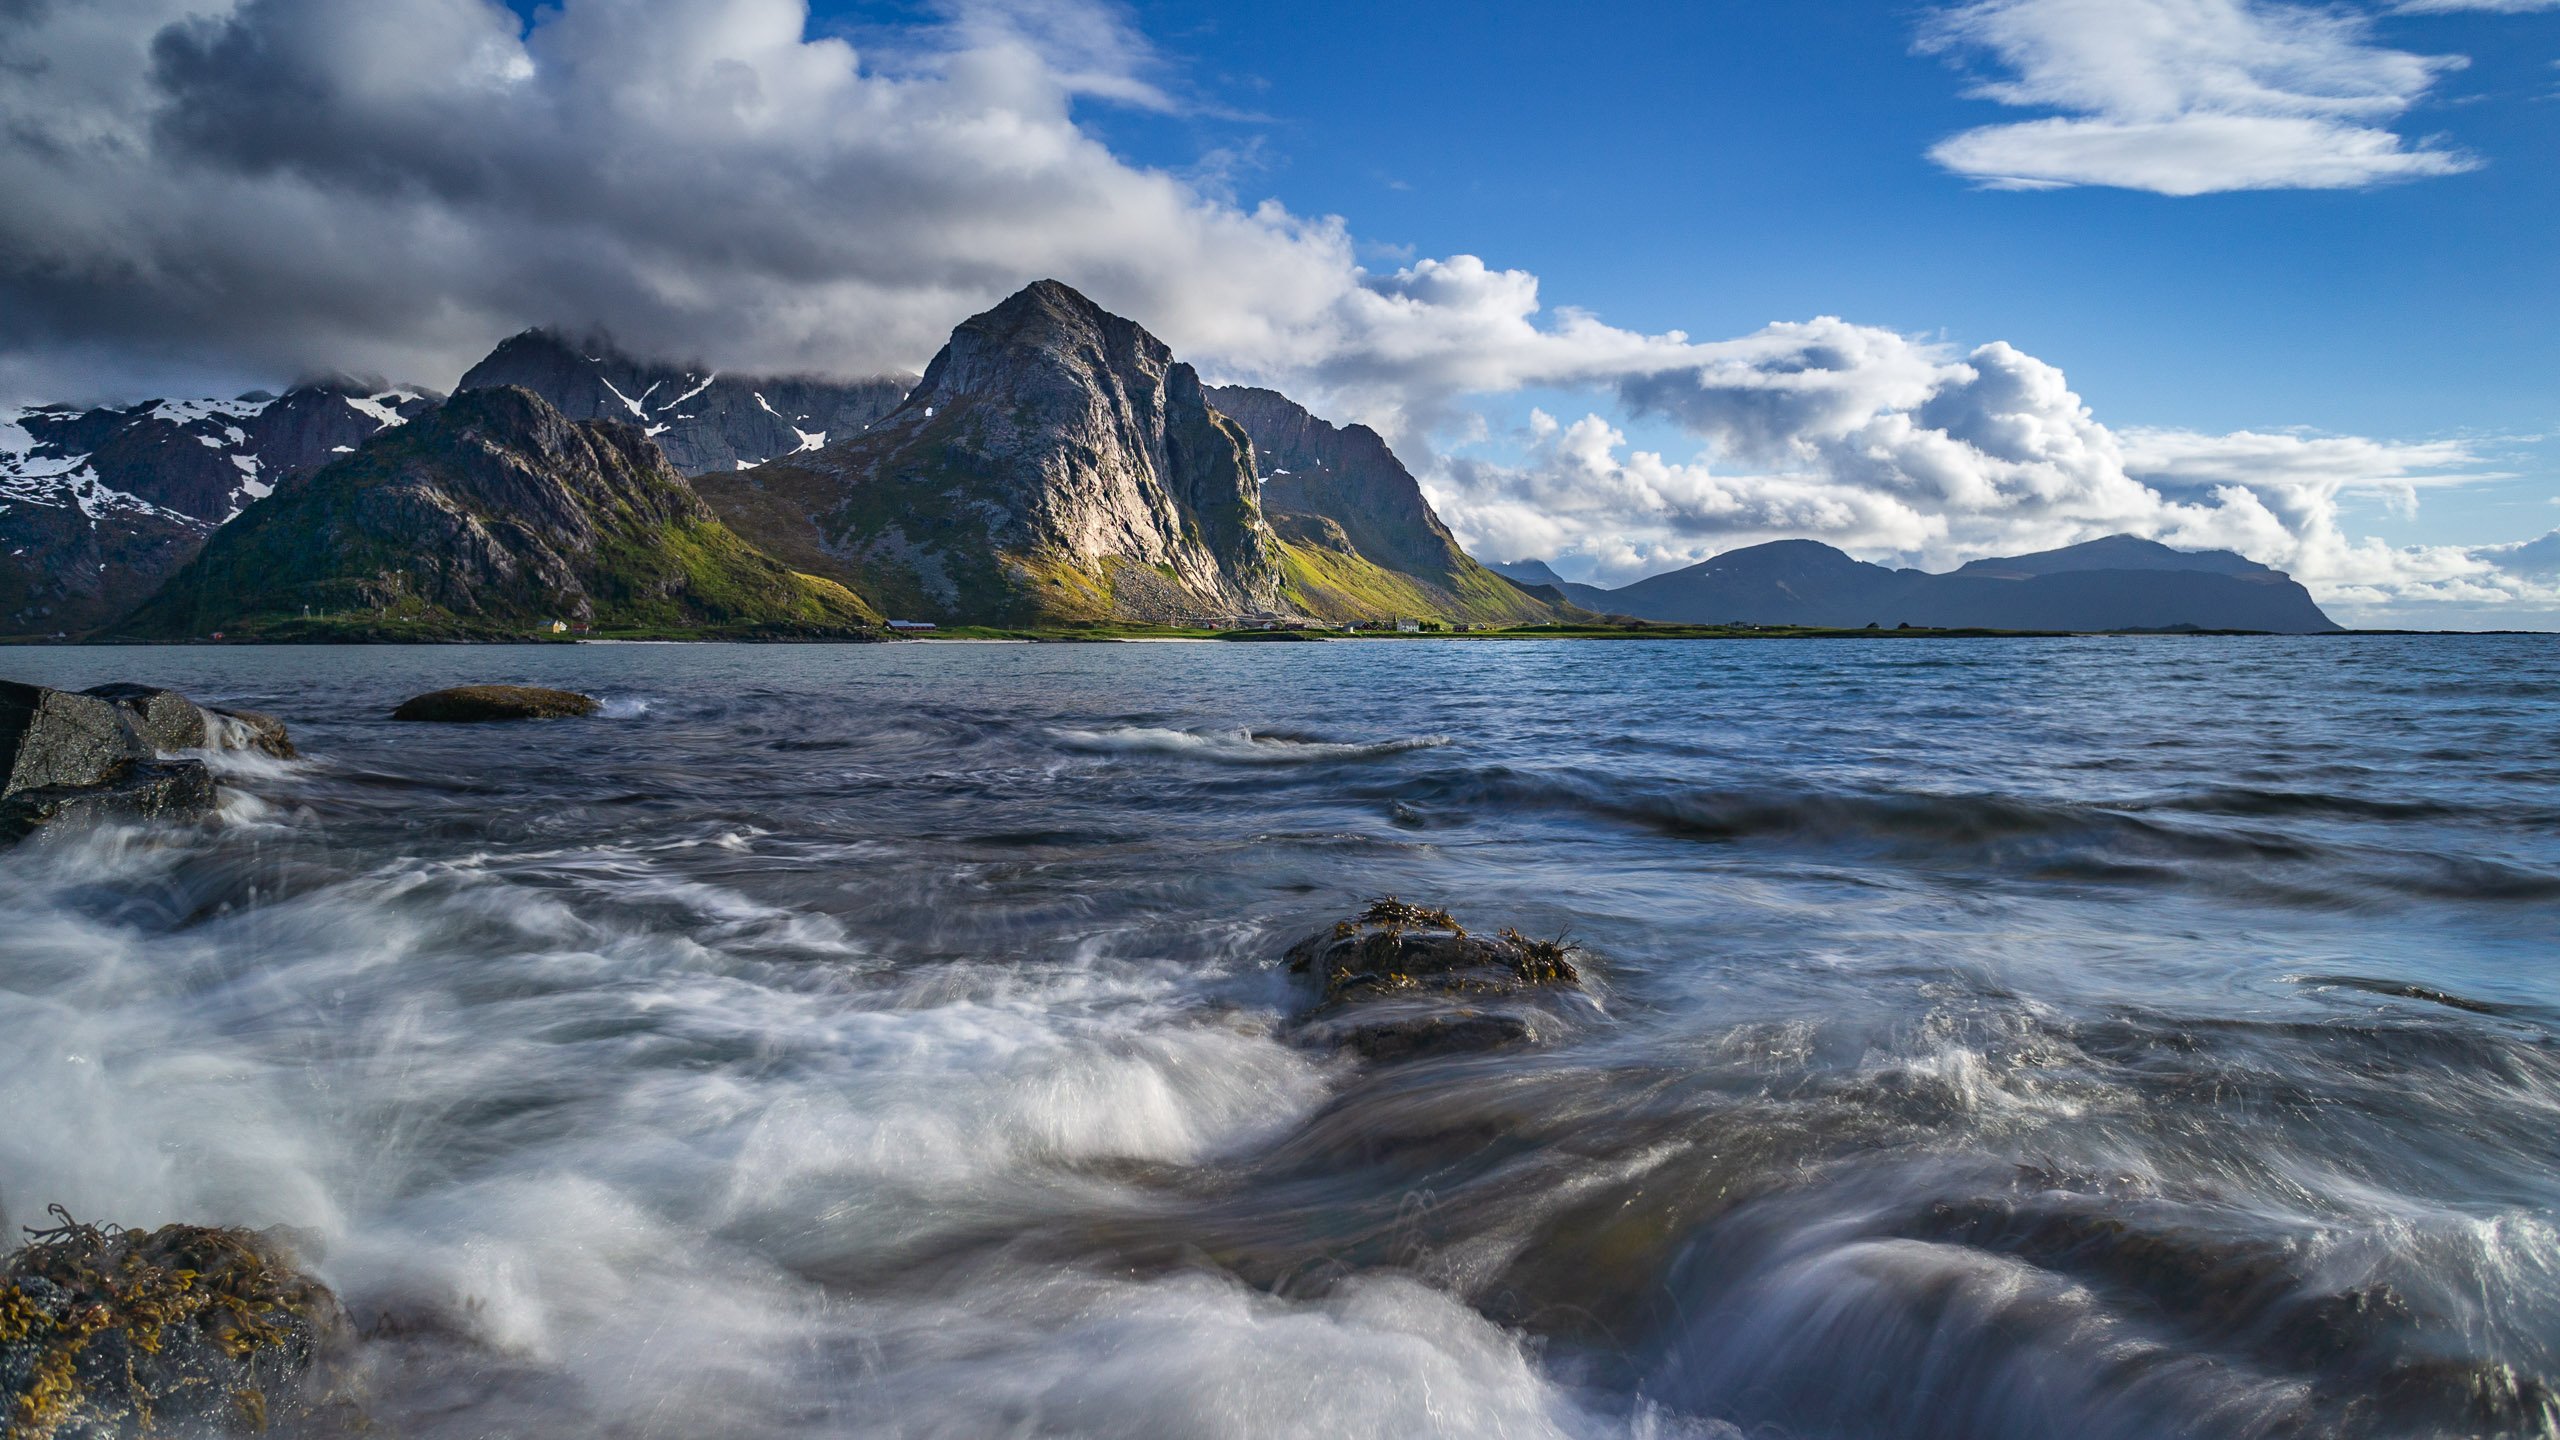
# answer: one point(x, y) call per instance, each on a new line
point(1400, 980)
point(110, 1332)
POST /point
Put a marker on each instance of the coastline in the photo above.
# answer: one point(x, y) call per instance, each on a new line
point(991, 635)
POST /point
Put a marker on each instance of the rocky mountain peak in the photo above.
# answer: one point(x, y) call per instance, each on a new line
point(703, 419)
point(1055, 461)
point(1048, 343)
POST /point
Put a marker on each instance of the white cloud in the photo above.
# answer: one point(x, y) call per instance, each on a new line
point(2186, 97)
point(279, 185)
point(1910, 453)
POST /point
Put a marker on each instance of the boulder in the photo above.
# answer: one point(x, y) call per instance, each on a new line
point(69, 759)
point(1400, 981)
point(165, 719)
point(108, 1332)
point(51, 738)
point(140, 790)
point(471, 703)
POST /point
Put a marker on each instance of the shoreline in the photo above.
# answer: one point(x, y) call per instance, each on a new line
point(1143, 637)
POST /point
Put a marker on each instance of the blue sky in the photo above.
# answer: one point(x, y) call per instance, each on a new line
point(1627, 286)
point(1716, 166)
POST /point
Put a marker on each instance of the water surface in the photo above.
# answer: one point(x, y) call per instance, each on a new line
point(2090, 1038)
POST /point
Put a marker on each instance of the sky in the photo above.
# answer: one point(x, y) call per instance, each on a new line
point(1627, 287)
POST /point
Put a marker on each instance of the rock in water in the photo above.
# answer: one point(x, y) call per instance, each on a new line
point(249, 730)
point(68, 758)
point(184, 1329)
point(142, 790)
point(165, 719)
point(51, 738)
point(1401, 981)
point(470, 703)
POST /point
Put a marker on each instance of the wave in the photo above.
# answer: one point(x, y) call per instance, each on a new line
point(2134, 844)
point(1237, 747)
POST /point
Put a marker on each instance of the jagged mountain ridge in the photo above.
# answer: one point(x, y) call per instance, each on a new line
point(491, 514)
point(704, 420)
point(2120, 582)
point(99, 506)
point(1055, 463)
point(1360, 540)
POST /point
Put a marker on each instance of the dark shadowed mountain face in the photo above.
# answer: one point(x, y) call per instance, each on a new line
point(99, 507)
point(1785, 582)
point(1055, 463)
point(2118, 583)
point(1536, 573)
point(1361, 541)
point(488, 515)
point(2117, 552)
point(703, 420)
point(1527, 572)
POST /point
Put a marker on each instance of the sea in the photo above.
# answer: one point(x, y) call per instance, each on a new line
point(1985, 1039)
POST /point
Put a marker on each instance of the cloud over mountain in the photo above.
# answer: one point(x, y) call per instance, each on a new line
point(214, 192)
point(391, 187)
point(1890, 446)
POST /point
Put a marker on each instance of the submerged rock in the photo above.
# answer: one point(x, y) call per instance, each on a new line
point(473, 703)
point(68, 758)
point(249, 730)
point(108, 1332)
point(1400, 980)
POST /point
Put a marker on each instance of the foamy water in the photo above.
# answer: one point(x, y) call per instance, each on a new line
point(2003, 1039)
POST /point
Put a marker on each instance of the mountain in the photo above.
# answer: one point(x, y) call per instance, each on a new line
point(2118, 583)
point(1359, 541)
point(1534, 573)
point(1785, 582)
point(489, 516)
point(1527, 572)
point(703, 420)
point(1056, 463)
point(2121, 582)
point(99, 506)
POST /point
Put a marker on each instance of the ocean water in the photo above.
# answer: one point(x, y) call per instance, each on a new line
point(2082, 1038)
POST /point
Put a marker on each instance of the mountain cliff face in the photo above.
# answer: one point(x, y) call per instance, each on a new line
point(99, 507)
point(1055, 463)
point(490, 515)
point(2117, 583)
point(1360, 541)
point(704, 421)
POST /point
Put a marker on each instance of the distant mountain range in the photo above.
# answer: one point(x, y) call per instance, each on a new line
point(1056, 464)
point(2118, 583)
point(494, 514)
point(99, 507)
